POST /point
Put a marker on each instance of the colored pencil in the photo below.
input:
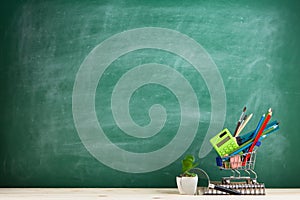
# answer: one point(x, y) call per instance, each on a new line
point(258, 125)
point(244, 138)
point(263, 126)
point(250, 142)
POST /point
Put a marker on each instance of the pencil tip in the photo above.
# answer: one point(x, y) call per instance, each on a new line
point(244, 109)
point(270, 110)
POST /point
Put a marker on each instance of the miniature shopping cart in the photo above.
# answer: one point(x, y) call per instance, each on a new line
point(241, 165)
point(243, 178)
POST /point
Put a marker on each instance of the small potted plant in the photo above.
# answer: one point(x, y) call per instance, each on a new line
point(187, 181)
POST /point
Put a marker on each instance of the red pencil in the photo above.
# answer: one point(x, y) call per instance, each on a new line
point(262, 128)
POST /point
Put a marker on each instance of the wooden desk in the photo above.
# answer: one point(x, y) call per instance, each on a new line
point(130, 194)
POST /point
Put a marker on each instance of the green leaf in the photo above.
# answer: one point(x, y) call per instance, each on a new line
point(188, 164)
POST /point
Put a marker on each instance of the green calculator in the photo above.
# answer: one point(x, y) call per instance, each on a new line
point(224, 143)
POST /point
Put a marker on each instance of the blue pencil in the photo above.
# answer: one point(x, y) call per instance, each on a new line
point(258, 125)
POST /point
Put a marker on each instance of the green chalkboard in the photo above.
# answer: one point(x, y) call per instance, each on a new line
point(115, 93)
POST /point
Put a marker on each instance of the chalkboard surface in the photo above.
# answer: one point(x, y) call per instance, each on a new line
point(116, 93)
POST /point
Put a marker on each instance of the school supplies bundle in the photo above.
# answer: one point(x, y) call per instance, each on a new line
point(237, 152)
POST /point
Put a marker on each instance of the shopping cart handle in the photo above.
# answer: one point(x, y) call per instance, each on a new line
point(224, 189)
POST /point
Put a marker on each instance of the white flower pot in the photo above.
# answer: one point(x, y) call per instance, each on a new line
point(187, 185)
